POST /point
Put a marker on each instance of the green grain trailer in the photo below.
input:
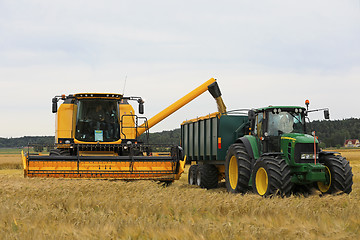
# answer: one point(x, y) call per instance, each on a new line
point(266, 150)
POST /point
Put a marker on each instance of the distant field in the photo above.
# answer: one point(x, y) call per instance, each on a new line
point(10, 150)
point(103, 209)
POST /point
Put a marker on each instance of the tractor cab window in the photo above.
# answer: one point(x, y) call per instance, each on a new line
point(285, 122)
point(259, 124)
point(97, 121)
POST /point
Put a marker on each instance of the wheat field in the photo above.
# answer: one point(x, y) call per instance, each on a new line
point(33, 208)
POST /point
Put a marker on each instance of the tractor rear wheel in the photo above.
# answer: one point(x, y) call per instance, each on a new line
point(339, 175)
point(271, 176)
point(207, 176)
point(237, 169)
point(192, 174)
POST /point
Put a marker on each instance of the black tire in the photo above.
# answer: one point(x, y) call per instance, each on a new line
point(59, 152)
point(287, 185)
point(237, 169)
point(303, 190)
point(207, 176)
point(55, 152)
point(340, 175)
point(271, 176)
point(192, 174)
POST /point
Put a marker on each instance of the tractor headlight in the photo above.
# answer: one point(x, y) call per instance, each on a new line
point(307, 156)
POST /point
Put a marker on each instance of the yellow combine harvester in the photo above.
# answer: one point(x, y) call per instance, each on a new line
point(97, 136)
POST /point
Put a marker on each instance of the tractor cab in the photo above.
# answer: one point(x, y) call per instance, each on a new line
point(271, 124)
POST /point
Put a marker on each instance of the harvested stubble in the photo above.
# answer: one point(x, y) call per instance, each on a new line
point(102, 209)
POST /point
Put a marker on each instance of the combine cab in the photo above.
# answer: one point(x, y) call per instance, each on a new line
point(98, 136)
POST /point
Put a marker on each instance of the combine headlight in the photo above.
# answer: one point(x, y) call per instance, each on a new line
point(307, 156)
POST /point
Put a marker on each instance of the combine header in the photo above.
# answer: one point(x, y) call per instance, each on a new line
point(97, 136)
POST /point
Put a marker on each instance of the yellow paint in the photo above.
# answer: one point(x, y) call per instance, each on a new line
point(97, 97)
point(289, 138)
point(178, 104)
point(128, 130)
point(108, 168)
point(23, 158)
point(261, 180)
point(233, 172)
point(322, 186)
point(64, 121)
point(181, 168)
point(97, 153)
point(209, 116)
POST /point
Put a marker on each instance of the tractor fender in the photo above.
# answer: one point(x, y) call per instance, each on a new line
point(325, 153)
point(250, 145)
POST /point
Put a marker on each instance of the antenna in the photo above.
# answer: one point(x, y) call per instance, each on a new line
point(124, 85)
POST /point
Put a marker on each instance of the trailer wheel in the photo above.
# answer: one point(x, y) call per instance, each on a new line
point(237, 169)
point(207, 176)
point(271, 176)
point(339, 175)
point(192, 174)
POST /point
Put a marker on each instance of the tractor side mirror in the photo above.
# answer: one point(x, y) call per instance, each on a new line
point(54, 105)
point(141, 106)
point(326, 114)
point(251, 115)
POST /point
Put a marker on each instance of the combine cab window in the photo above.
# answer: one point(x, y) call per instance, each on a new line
point(285, 122)
point(97, 120)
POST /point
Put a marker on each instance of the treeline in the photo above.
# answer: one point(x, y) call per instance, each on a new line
point(24, 141)
point(165, 137)
point(334, 133)
point(331, 133)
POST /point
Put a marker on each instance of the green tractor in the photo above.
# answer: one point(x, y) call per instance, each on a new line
point(268, 151)
point(278, 156)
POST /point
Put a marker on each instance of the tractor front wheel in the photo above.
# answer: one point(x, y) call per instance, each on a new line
point(271, 176)
point(338, 174)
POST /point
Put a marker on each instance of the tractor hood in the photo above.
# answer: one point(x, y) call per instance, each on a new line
point(298, 138)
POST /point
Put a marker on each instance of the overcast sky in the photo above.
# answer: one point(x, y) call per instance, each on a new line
point(261, 52)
